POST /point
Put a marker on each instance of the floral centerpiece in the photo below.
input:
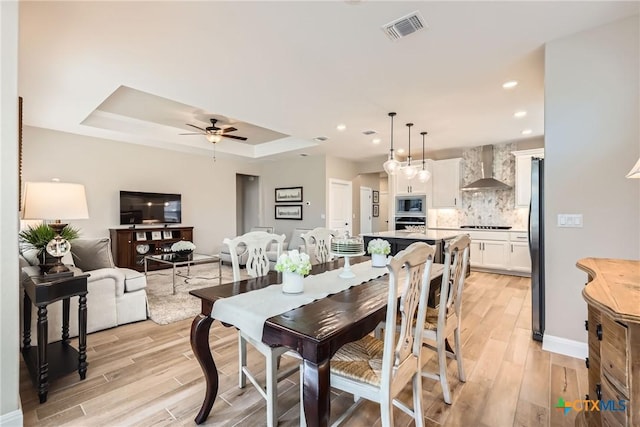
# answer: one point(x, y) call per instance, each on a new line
point(183, 248)
point(379, 249)
point(294, 266)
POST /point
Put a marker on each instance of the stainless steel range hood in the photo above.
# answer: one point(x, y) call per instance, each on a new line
point(486, 183)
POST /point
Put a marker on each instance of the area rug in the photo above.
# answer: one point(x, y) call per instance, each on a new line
point(164, 307)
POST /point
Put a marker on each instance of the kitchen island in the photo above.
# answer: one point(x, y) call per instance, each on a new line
point(401, 239)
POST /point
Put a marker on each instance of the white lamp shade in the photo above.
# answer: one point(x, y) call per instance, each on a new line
point(54, 201)
point(213, 137)
point(409, 172)
point(635, 171)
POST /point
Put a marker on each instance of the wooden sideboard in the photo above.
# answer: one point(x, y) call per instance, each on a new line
point(613, 299)
point(129, 246)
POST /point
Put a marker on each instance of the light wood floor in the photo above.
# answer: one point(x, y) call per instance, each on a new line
point(144, 374)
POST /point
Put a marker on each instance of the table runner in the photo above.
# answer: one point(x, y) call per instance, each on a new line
point(249, 311)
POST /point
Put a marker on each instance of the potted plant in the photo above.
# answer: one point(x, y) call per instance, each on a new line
point(37, 237)
point(379, 249)
point(294, 266)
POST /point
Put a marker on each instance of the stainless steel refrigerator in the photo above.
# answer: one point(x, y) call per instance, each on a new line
point(536, 247)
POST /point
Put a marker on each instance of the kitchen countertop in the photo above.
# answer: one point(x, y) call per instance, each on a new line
point(429, 234)
point(515, 230)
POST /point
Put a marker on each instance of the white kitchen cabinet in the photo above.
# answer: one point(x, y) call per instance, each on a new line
point(446, 183)
point(519, 257)
point(413, 186)
point(489, 249)
point(523, 175)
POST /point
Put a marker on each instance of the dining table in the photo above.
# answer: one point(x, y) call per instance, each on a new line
point(315, 330)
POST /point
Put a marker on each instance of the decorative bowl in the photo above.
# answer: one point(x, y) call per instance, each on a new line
point(183, 254)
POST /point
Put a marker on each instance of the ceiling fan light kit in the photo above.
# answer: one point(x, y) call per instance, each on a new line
point(391, 166)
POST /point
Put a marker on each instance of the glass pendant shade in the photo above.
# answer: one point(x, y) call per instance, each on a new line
point(391, 166)
point(213, 137)
point(409, 171)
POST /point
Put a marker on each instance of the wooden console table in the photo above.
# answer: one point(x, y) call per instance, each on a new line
point(49, 361)
point(613, 298)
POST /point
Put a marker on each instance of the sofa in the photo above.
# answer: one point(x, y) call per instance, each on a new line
point(116, 296)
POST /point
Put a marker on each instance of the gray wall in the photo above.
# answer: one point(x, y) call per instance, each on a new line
point(591, 142)
point(10, 413)
point(105, 167)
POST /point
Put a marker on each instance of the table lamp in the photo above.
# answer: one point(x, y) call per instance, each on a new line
point(55, 201)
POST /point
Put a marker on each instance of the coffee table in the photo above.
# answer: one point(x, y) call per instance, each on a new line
point(177, 261)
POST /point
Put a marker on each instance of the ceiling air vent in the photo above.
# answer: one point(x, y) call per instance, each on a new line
point(369, 132)
point(320, 138)
point(404, 26)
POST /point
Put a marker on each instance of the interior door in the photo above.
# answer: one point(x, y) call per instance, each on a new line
point(366, 210)
point(340, 205)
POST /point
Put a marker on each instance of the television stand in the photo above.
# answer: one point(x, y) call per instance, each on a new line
point(130, 245)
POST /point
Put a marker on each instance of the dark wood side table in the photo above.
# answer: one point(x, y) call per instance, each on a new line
point(49, 361)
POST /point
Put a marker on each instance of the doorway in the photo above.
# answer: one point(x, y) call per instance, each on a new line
point(366, 210)
point(247, 203)
point(340, 205)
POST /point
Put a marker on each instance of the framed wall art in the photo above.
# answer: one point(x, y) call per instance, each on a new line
point(156, 235)
point(288, 212)
point(288, 195)
point(141, 235)
point(376, 196)
point(167, 234)
point(376, 210)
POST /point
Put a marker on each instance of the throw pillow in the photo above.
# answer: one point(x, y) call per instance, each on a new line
point(92, 254)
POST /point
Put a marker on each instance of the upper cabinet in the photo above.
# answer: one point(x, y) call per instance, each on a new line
point(446, 183)
point(523, 175)
point(414, 186)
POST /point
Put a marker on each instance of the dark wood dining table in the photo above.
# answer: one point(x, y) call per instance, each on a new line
point(316, 331)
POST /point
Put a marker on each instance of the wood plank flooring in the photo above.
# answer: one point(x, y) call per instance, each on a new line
point(144, 374)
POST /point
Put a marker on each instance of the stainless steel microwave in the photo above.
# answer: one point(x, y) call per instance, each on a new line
point(411, 205)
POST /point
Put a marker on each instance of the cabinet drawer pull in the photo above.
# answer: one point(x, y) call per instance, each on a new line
point(599, 391)
point(599, 331)
point(586, 325)
point(586, 362)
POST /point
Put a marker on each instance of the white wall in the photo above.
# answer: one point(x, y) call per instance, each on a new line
point(591, 141)
point(105, 167)
point(10, 413)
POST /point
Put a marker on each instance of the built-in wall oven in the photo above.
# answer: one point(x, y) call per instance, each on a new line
point(403, 221)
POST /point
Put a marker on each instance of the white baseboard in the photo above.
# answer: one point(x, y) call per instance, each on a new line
point(571, 348)
point(11, 419)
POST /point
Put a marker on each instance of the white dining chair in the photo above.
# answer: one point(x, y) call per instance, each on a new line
point(317, 243)
point(445, 320)
point(378, 370)
point(257, 243)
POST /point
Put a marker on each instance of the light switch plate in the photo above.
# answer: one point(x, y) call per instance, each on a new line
point(570, 220)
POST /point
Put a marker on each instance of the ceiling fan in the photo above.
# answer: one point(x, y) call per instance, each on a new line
point(214, 133)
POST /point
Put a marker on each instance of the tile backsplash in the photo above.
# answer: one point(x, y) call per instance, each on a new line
point(487, 207)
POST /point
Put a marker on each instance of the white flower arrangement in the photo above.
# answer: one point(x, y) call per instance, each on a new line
point(182, 245)
point(379, 246)
point(294, 262)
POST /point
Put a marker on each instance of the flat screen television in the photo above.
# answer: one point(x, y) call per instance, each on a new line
point(150, 208)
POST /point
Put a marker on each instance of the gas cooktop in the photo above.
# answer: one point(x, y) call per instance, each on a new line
point(487, 227)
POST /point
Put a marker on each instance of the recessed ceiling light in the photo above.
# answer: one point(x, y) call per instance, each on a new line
point(376, 140)
point(341, 127)
point(519, 114)
point(510, 84)
point(400, 150)
point(527, 132)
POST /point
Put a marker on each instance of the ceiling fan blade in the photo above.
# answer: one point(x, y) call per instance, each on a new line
point(241, 138)
point(229, 129)
point(197, 127)
point(192, 133)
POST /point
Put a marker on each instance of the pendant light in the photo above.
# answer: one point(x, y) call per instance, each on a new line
point(424, 175)
point(409, 171)
point(391, 166)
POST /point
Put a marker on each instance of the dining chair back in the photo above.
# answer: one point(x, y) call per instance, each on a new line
point(257, 244)
point(317, 243)
point(445, 320)
point(376, 369)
